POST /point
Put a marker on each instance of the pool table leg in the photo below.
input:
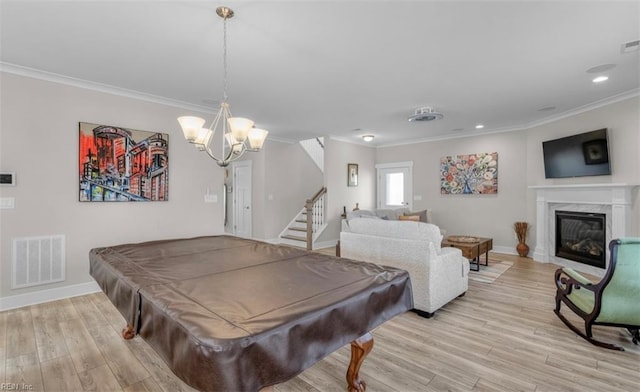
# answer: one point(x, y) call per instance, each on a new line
point(359, 350)
point(128, 332)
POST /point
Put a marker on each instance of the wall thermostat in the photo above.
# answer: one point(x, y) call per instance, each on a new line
point(7, 178)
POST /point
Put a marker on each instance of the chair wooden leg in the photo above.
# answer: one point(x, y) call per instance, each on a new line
point(589, 339)
point(558, 301)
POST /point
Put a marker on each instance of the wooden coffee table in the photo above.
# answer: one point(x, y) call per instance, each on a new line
point(471, 247)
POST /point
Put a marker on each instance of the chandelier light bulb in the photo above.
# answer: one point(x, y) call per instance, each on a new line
point(191, 127)
point(240, 128)
point(257, 137)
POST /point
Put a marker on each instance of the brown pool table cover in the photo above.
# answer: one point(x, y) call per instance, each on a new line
point(231, 314)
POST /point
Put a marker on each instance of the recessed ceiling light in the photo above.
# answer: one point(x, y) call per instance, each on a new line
point(600, 79)
point(367, 138)
point(479, 126)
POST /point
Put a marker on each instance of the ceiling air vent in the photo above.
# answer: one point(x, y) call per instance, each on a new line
point(425, 114)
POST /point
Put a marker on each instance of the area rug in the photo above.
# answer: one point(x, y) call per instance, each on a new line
point(488, 274)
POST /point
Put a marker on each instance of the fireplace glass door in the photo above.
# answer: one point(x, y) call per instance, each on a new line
point(581, 237)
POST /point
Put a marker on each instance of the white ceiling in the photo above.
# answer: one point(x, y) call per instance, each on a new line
point(310, 68)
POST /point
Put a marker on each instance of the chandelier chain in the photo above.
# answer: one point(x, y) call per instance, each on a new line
point(224, 59)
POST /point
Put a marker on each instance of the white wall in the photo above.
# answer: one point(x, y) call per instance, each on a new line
point(481, 215)
point(291, 178)
point(39, 141)
point(337, 155)
point(622, 119)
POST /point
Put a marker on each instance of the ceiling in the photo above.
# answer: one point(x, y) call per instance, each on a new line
point(343, 69)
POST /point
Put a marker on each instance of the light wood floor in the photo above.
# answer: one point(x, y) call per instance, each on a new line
point(501, 336)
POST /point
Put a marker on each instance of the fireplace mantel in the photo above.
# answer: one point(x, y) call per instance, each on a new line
point(614, 199)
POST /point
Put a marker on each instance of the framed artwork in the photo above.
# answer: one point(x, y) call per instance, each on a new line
point(352, 174)
point(469, 174)
point(120, 164)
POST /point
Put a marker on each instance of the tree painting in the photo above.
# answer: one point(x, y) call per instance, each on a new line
point(469, 174)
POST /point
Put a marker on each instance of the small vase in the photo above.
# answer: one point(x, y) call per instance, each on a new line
point(523, 249)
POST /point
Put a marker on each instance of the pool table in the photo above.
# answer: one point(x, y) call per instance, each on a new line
point(233, 314)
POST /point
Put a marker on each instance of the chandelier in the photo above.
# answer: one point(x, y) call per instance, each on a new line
point(237, 134)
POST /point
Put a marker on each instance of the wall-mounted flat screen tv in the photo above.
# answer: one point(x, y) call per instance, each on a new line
point(585, 154)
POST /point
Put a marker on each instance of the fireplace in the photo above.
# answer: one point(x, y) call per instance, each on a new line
point(581, 237)
point(616, 201)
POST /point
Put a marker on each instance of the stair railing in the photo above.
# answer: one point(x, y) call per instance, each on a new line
point(315, 214)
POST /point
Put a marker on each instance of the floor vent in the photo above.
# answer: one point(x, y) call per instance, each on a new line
point(37, 260)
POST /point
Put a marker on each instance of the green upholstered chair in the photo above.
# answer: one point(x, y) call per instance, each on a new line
point(614, 301)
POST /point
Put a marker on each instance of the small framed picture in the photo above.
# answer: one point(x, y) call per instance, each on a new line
point(352, 174)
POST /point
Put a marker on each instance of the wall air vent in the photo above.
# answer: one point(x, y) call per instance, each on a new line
point(425, 114)
point(38, 260)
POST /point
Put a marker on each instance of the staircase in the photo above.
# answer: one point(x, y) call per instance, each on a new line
point(308, 224)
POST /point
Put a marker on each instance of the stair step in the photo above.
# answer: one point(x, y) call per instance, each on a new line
point(295, 238)
point(301, 221)
point(298, 229)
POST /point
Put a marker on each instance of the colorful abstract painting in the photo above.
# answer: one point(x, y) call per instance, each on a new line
point(119, 164)
point(469, 174)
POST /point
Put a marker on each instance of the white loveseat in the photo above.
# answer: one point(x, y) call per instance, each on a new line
point(438, 275)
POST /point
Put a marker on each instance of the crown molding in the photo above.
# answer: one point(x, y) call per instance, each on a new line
point(281, 140)
point(358, 143)
point(585, 108)
point(99, 87)
point(456, 136)
point(523, 127)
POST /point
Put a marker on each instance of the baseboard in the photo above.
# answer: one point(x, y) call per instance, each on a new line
point(42, 296)
point(507, 250)
point(317, 245)
point(325, 244)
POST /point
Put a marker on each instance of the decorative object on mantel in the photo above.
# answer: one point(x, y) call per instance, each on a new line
point(521, 229)
point(237, 134)
point(469, 174)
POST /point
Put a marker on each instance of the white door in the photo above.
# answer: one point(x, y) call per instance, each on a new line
point(395, 185)
point(242, 199)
